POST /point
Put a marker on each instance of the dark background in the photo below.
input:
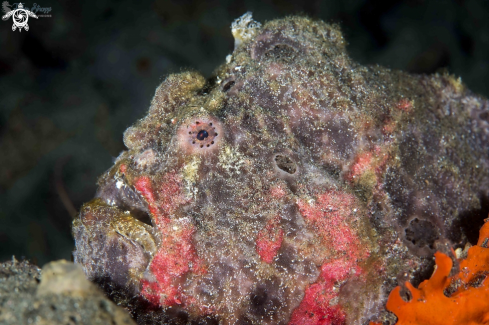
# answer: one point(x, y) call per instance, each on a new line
point(74, 82)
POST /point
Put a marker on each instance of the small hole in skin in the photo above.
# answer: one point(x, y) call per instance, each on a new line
point(208, 145)
point(211, 124)
point(216, 134)
point(190, 133)
point(228, 86)
point(202, 146)
point(193, 142)
point(286, 164)
point(212, 142)
point(197, 122)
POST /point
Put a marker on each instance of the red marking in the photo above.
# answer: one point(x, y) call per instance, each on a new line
point(165, 200)
point(169, 266)
point(363, 162)
point(144, 186)
point(316, 306)
point(338, 270)
point(374, 161)
point(389, 126)
point(330, 215)
point(269, 240)
point(315, 310)
point(176, 256)
point(277, 192)
point(170, 194)
point(405, 105)
point(123, 168)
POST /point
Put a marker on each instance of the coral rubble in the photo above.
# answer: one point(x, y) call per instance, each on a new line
point(449, 300)
point(57, 294)
point(294, 186)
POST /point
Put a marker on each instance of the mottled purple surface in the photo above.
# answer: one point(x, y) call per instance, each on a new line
point(323, 185)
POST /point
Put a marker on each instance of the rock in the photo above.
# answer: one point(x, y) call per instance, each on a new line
point(62, 277)
point(295, 186)
point(57, 294)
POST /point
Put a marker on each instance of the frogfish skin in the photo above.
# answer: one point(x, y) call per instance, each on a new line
point(294, 186)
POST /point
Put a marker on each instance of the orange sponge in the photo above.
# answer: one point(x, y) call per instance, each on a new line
point(466, 302)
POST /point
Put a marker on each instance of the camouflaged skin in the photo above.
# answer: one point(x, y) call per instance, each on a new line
point(293, 187)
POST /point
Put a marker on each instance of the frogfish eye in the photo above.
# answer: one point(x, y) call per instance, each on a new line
point(200, 134)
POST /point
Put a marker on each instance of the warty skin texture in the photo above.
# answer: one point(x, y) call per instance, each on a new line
point(317, 186)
